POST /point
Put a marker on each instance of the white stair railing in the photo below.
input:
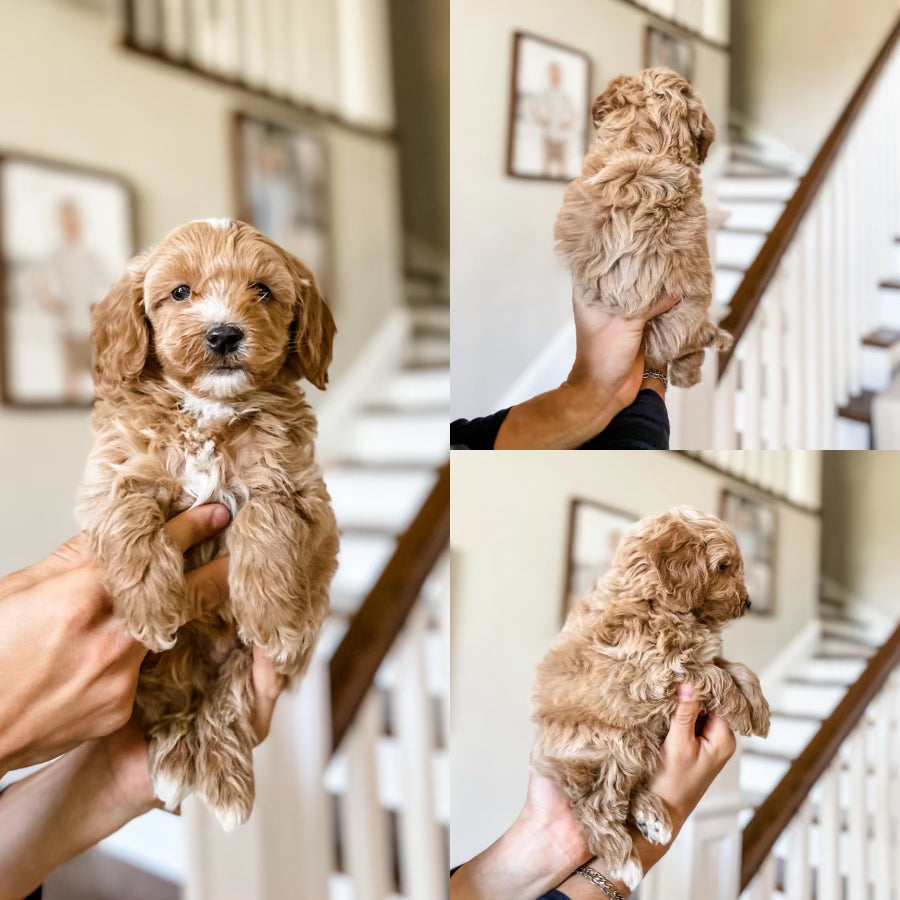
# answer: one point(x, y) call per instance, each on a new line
point(812, 293)
point(831, 828)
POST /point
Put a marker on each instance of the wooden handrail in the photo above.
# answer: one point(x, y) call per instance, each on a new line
point(380, 619)
point(776, 812)
point(763, 268)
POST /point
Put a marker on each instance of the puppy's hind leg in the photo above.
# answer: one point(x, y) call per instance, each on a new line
point(226, 740)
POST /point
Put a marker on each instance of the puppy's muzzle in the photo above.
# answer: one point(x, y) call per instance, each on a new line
point(224, 339)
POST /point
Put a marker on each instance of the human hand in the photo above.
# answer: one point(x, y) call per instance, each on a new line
point(609, 365)
point(687, 767)
point(68, 666)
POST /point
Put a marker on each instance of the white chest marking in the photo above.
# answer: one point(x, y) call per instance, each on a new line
point(207, 411)
point(204, 478)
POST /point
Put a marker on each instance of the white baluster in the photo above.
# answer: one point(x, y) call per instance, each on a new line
point(825, 321)
point(365, 823)
point(228, 42)
point(751, 388)
point(882, 812)
point(773, 368)
point(792, 313)
point(278, 73)
point(725, 416)
point(857, 821)
point(763, 885)
point(842, 335)
point(175, 25)
point(894, 799)
point(422, 859)
point(828, 874)
point(146, 30)
point(253, 55)
point(812, 354)
point(798, 881)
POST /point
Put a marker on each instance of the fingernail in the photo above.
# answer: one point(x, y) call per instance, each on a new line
point(685, 692)
point(220, 517)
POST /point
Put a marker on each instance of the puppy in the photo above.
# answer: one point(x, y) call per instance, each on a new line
point(606, 690)
point(633, 226)
point(197, 351)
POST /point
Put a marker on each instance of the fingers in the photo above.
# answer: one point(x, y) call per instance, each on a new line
point(663, 304)
point(718, 739)
point(66, 557)
point(197, 524)
point(207, 588)
point(267, 686)
point(681, 728)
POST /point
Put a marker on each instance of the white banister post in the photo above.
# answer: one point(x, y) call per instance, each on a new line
point(828, 874)
point(857, 824)
point(882, 812)
point(797, 878)
point(366, 94)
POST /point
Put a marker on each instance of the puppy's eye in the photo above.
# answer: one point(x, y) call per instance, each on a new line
point(724, 566)
point(182, 292)
point(262, 290)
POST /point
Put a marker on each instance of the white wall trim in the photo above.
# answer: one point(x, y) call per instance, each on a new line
point(799, 649)
point(377, 359)
point(548, 370)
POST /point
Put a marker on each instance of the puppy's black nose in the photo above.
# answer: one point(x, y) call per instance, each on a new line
point(224, 339)
point(747, 603)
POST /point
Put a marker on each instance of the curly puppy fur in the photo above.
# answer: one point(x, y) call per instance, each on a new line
point(633, 226)
point(605, 692)
point(177, 424)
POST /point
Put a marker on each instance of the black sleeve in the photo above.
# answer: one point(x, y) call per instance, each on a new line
point(476, 434)
point(642, 426)
point(550, 895)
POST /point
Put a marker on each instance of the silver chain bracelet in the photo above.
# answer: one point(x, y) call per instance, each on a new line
point(598, 880)
point(655, 373)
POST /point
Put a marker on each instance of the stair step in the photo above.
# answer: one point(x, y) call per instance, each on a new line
point(429, 352)
point(727, 281)
point(796, 715)
point(780, 187)
point(889, 300)
point(840, 669)
point(849, 629)
point(361, 561)
point(858, 408)
point(815, 698)
point(738, 248)
point(749, 212)
point(882, 337)
point(840, 646)
point(384, 437)
point(437, 317)
point(414, 388)
point(377, 496)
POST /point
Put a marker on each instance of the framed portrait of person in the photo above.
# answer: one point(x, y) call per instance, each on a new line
point(594, 534)
point(753, 522)
point(549, 115)
point(282, 189)
point(66, 234)
point(669, 49)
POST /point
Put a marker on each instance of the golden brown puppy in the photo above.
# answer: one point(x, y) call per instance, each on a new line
point(606, 690)
point(633, 226)
point(197, 354)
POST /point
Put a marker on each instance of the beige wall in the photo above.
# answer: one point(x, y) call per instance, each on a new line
point(860, 530)
point(71, 94)
point(509, 293)
point(508, 540)
point(797, 62)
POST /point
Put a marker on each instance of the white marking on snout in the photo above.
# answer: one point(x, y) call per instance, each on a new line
point(213, 310)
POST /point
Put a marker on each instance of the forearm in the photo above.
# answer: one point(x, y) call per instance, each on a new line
point(524, 863)
point(561, 419)
point(53, 815)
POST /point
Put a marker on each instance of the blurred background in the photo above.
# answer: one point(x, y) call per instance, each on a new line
point(792, 88)
point(808, 807)
point(325, 124)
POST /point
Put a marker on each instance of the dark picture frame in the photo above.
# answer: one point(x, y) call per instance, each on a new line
point(669, 48)
point(594, 532)
point(282, 186)
point(549, 125)
point(754, 521)
point(66, 233)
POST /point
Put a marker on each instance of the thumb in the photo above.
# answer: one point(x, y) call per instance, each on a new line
point(663, 304)
point(207, 588)
point(686, 712)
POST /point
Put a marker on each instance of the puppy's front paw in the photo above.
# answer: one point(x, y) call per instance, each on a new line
point(172, 770)
point(684, 372)
point(630, 872)
point(651, 817)
point(759, 714)
point(148, 590)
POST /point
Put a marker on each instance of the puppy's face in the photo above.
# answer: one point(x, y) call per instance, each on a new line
point(221, 309)
point(655, 111)
point(686, 562)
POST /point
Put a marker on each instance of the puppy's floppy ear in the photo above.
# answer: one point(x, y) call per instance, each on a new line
point(313, 328)
point(702, 129)
point(678, 555)
point(120, 333)
point(622, 91)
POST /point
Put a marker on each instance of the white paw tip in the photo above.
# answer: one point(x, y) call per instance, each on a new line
point(168, 791)
point(631, 874)
point(229, 819)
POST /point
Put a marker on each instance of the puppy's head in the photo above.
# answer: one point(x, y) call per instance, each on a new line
point(684, 561)
point(220, 309)
point(655, 111)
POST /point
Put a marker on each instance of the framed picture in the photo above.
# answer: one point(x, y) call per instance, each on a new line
point(666, 48)
point(282, 189)
point(549, 109)
point(753, 522)
point(66, 233)
point(594, 533)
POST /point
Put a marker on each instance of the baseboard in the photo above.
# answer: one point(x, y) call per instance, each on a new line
point(377, 359)
point(548, 370)
point(799, 649)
